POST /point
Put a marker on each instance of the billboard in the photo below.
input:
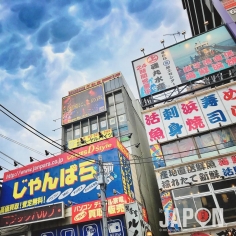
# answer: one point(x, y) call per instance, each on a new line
point(70, 179)
point(32, 215)
point(197, 173)
point(189, 60)
point(201, 112)
point(92, 138)
point(230, 7)
point(84, 104)
point(90, 211)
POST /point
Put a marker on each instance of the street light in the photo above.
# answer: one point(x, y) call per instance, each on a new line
point(162, 41)
point(142, 50)
point(183, 33)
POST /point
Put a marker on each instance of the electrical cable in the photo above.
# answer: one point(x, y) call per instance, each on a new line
point(11, 158)
point(71, 152)
point(23, 145)
point(6, 161)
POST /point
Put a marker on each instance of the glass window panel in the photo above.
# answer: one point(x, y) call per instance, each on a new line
point(205, 202)
point(206, 145)
point(68, 135)
point(85, 128)
point(191, 190)
point(112, 122)
point(102, 123)
point(171, 151)
point(233, 130)
point(76, 131)
point(224, 140)
point(110, 100)
point(111, 111)
point(224, 184)
point(115, 132)
point(120, 108)
point(120, 81)
point(119, 97)
point(227, 202)
point(187, 203)
point(93, 126)
point(107, 86)
point(187, 149)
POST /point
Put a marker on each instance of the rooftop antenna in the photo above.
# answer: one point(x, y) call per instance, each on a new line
point(173, 35)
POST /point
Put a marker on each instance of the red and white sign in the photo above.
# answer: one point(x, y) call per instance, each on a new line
point(92, 210)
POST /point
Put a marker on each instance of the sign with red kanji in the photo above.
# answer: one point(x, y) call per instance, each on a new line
point(92, 210)
point(32, 215)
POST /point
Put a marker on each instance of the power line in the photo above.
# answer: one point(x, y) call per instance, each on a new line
point(6, 161)
point(11, 158)
point(61, 148)
point(23, 145)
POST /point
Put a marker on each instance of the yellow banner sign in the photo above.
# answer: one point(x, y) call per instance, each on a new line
point(92, 138)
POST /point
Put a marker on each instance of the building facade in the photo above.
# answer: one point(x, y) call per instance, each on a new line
point(123, 117)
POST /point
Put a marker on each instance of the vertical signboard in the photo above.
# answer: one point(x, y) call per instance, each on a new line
point(192, 59)
point(230, 7)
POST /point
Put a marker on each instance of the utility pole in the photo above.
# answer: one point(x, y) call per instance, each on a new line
point(103, 183)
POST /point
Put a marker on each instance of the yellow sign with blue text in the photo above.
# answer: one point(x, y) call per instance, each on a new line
point(92, 138)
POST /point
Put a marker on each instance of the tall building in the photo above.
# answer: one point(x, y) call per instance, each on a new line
point(121, 113)
point(188, 95)
point(61, 194)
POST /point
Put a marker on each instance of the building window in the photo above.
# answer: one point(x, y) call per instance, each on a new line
point(118, 97)
point(85, 128)
point(123, 127)
point(76, 131)
point(111, 111)
point(113, 126)
point(171, 153)
point(120, 108)
point(224, 141)
point(110, 100)
point(94, 125)
point(102, 123)
point(68, 134)
point(213, 195)
point(206, 145)
point(187, 149)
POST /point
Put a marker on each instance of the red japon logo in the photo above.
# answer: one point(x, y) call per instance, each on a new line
point(152, 59)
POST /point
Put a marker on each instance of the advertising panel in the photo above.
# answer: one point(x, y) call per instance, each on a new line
point(230, 7)
point(136, 225)
point(204, 112)
point(92, 138)
point(189, 60)
point(84, 104)
point(197, 173)
point(90, 211)
point(74, 180)
point(32, 215)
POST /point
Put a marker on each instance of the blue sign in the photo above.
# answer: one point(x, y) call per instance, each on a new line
point(74, 181)
point(116, 227)
point(91, 229)
point(68, 231)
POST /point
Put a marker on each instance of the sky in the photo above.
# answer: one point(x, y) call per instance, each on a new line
point(49, 47)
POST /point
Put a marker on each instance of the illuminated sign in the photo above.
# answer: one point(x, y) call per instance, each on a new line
point(84, 104)
point(92, 138)
point(95, 83)
point(70, 179)
point(189, 60)
point(32, 215)
point(92, 210)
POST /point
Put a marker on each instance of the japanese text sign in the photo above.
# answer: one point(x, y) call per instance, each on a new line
point(92, 138)
point(92, 210)
point(197, 173)
point(136, 225)
point(84, 104)
point(32, 215)
point(189, 60)
point(204, 112)
point(75, 181)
